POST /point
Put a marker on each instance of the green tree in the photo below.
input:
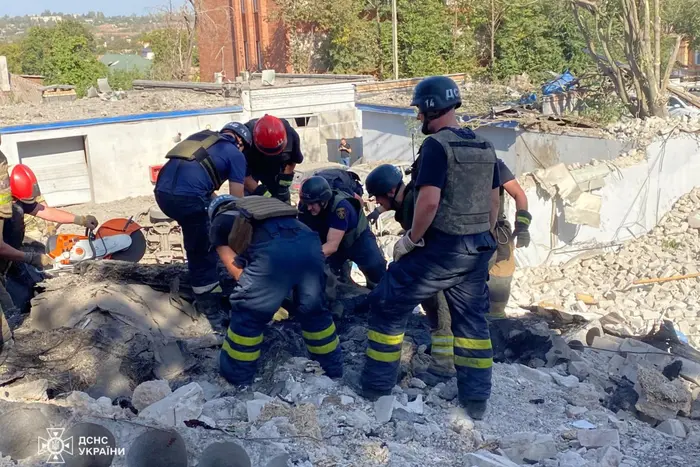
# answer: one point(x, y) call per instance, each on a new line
point(70, 61)
point(34, 49)
point(13, 53)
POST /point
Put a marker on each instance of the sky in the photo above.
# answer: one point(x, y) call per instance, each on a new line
point(108, 7)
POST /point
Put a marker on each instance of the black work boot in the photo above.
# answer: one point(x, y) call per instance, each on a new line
point(475, 409)
point(209, 304)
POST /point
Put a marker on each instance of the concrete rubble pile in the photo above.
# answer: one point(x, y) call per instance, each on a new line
point(644, 131)
point(599, 283)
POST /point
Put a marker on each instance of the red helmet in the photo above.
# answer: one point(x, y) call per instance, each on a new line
point(23, 183)
point(270, 135)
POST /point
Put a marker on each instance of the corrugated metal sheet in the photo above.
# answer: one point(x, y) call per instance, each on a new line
point(61, 168)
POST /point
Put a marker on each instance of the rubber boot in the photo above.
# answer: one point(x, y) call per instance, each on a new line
point(500, 279)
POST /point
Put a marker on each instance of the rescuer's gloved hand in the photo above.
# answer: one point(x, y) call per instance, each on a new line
point(88, 221)
point(38, 260)
point(373, 216)
point(284, 183)
point(262, 190)
point(522, 224)
point(406, 245)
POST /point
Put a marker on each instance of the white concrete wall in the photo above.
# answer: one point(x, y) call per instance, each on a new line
point(387, 136)
point(634, 199)
point(118, 154)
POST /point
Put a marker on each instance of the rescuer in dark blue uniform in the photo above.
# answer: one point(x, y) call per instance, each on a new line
point(338, 219)
point(270, 254)
point(272, 157)
point(195, 169)
point(447, 248)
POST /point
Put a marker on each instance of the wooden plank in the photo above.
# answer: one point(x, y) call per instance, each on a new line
point(398, 84)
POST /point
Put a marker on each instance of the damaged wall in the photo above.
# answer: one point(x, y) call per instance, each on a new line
point(386, 133)
point(634, 198)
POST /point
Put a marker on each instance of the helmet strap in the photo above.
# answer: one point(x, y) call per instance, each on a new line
point(392, 201)
point(430, 116)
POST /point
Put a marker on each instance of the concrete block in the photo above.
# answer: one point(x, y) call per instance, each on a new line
point(4, 75)
point(254, 408)
point(487, 459)
point(607, 343)
point(599, 438)
point(31, 391)
point(383, 408)
point(609, 457)
point(185, 403)
point(672, 427)
point(529, 448)
point(150, 392)
point(690, 371)
point(569, 382)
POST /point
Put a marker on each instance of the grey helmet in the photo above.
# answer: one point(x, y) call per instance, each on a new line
point(216, 204)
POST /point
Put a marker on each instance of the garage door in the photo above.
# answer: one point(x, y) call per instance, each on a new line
point(61, 168)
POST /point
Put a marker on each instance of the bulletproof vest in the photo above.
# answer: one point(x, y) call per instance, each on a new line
point(342, 180)
point(196, 148)
point(352, 234)
point(253, 210)
point(466, 197)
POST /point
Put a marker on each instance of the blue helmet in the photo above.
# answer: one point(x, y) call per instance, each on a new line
point(436, 94)
point(315, 190)
point(216, 204)
point(382, 179)
point(240, 130)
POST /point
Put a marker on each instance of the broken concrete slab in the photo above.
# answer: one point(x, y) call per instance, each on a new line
point(226, 411)
point(20, 430)
point(485, 458)
point(449, 391)
point(254, 408)
point(599, 438)
point(139, 306)
point(30, 391)
point(533, 374)
point(609, 456)
point(185, 403)
point(529, 447)
point(579, 369)
point(672, 427)
point(607, 342)
point(110, 381)
point(383, 408)
point(150, 392)
point(569, 381)
point(690, 371)
point(660, 398)
point(171, 360)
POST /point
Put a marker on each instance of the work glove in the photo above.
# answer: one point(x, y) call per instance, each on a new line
point(38, 260)
point(262, 190)
point(405, 245)
point(522, 224)
point(373, 216)
point(89, 222)
point(284, 182)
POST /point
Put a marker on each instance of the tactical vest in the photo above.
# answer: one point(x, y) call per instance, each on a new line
point(352, 234)
point(253, 209)
point(342, 180)
point(404, 215)
point(196, 148)
point(466, 197)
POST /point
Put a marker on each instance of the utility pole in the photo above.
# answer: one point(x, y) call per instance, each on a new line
point(394, 38)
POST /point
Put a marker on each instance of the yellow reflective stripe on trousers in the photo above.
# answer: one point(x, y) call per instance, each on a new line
point(442, 340)
point(240, 356)
point(472, 344)
point(442, 350)
point(387, 357)
point(324, 349)
point(242, 340)
point(315, 336)
point(387, 339)
point(481, 363)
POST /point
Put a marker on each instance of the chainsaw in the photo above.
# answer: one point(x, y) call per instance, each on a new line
point(118, 239)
